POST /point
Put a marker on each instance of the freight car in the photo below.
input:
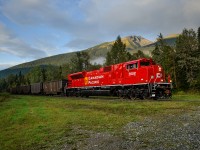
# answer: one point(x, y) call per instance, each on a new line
point(54, 87)
point(37, 88)
point(43, 88)
point(140, 78)
point(25, 89)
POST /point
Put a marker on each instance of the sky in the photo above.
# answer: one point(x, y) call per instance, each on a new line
point(33, 29)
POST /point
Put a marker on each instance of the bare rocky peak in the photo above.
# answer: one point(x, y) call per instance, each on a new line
point(138, 40)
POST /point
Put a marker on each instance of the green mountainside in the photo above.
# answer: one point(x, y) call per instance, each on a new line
point(133, 44)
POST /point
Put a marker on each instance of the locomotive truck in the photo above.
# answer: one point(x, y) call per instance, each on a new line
point(141, 78)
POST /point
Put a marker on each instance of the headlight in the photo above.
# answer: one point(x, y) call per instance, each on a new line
point(159, 69)
point(158, 75)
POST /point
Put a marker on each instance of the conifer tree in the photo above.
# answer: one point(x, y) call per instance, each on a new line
point(60, 73)
point(20, 78)
point(10, 80)
point(43, 75)
point(187, 59)
point(198, 54)
point(118, 53)
point(3, 85)
point(156, 54)
point(66, 70)
point(80, 62)
point(164, 55)
point(198, 34)
point(35, 74)
point(108, 59)
point(139, 54)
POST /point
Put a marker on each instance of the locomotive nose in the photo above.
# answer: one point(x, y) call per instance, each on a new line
point(159, 74)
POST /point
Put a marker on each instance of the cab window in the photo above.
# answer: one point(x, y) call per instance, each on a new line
point(144, 63)
point(131, 66)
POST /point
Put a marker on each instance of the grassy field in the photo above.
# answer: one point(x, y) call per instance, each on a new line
point(40, 122)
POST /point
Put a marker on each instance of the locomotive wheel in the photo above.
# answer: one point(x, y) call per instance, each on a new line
point(132, 95)
point(120, 94)
point(142, 97)
point(77, 94)
point(155, 98)
point(82, 95)
point(126, 94)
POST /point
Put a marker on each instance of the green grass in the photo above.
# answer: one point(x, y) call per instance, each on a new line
point(39, 122)
point(4, 96)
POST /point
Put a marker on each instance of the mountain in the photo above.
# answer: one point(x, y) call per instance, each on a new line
point(132, 43)
point(97, 54)
point(147, 49)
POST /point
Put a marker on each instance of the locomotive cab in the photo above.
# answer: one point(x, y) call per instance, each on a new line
point(146, 78)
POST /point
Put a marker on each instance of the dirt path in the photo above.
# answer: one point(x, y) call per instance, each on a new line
point(180, 132)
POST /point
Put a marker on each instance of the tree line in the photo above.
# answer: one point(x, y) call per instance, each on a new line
point(181, 62)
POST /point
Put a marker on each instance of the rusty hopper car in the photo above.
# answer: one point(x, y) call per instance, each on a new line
point(36, 88)
point(54, 87)
point(25, 89)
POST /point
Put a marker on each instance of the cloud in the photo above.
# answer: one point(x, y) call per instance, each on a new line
point(10, 64)
point(143, 16)
point(105, 20)
point(4, 66)
point(10, 43)
point(35, 12)
point(88, 22)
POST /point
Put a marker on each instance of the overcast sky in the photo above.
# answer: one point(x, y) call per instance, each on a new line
point(32, 29)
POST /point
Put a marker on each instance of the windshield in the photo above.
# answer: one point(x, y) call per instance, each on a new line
point(131, 66)
point(144, 63)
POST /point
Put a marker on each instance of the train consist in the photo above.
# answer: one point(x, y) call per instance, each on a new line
point(140, 78)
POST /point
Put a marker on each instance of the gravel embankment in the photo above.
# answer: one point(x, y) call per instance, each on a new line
point(180, 132)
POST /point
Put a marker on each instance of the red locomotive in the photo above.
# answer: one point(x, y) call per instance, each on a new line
point(140, 78)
